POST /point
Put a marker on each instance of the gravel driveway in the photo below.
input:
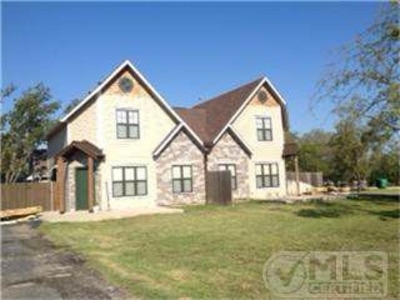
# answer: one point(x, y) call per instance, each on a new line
point(32, 268)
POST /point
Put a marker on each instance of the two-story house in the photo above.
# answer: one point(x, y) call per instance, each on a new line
point(123, 146)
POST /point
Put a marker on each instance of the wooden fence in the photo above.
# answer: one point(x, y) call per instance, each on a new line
point(219, 189)
point(314, 178)
point(21, 195)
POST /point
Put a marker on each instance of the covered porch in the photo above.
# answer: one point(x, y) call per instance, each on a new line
point(75, 187)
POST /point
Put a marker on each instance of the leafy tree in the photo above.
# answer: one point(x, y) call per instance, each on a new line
point(365, 84)
point(314, 153)
point(385, 163)
point(350, 153)
point(23, 129)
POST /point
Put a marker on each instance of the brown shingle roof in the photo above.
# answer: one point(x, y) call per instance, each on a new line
point(84, 146)
point(207, 119)
point(196, 118)
point(290, 147)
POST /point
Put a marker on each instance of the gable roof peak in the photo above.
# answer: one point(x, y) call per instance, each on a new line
point(254, 83)
point(127, 64)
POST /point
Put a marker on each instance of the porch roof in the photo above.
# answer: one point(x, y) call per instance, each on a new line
point(85, 146)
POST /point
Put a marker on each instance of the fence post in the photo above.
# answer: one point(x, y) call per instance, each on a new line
point(296, 170)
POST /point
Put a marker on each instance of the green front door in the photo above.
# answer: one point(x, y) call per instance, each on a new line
point(81, 188)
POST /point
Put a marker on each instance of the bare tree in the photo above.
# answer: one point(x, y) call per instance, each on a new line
point(364, 83)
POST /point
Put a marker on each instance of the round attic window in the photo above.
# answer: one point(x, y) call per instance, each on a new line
point(125, 84)
point(262, 96)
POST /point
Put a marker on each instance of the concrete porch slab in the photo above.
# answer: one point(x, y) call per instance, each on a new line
point(85, 216)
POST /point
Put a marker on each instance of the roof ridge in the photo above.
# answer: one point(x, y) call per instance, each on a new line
point(228, 91)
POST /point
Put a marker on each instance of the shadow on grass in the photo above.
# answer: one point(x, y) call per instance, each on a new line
point(375, 198)
point(319, 213)
point(266, 202)
point(394, 214)
point(323, 209)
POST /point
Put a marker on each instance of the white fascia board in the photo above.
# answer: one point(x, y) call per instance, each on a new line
point(238, 111)
point(152, 89)
point(165, 103)
point(237, 135)
point(275, 91)
point(95, 91)
point(262, 82)
point(240, 137)
point(170, 136)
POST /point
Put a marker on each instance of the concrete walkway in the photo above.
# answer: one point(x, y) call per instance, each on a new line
point(85, 216)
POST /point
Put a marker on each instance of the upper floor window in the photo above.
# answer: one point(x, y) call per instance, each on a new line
point(267, 175)
point(129, 181)
point(264, 128)
point(182, 179)
point(127, 124)
point(232, 169)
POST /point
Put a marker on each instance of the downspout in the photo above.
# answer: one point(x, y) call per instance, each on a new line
point(66, 187)
point(205, 161)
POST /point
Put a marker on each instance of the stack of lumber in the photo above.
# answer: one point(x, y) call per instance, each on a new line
point(20, 212)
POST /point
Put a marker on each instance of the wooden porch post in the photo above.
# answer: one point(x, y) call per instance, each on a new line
point(90, 183)
point(60, 195)
point(296, 171)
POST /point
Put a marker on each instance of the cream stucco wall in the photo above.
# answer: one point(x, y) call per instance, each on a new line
point(263, 151)
point(155, 124)
point(55, 144)
point(83, 125)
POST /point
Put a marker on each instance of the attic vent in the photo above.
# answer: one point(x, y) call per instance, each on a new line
point(262, 96)
point(125, 84)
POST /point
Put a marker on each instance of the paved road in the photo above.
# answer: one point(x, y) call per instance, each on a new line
point(32, 268)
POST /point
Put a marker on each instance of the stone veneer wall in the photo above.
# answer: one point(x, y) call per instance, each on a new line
point(227, 151)
point(181, 151)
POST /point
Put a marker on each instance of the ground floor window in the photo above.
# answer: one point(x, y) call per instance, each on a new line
point(232, 169)
point(129, 181)
point(182, 179)
point(267, 175)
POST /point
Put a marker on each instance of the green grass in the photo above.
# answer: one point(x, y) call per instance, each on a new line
point(219, 252)
point(391, 190)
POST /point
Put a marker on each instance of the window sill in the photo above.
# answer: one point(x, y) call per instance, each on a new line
point(267, 187)
point(183, 193)
point(130, 196)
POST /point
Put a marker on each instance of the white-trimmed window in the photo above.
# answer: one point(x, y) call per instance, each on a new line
point(129, 181)
point(128, 124)
point(182, 179)
point(264, 128)
point(267, 175)
point(232, 169)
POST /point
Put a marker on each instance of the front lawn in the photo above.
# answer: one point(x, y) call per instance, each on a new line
point(219, 252)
